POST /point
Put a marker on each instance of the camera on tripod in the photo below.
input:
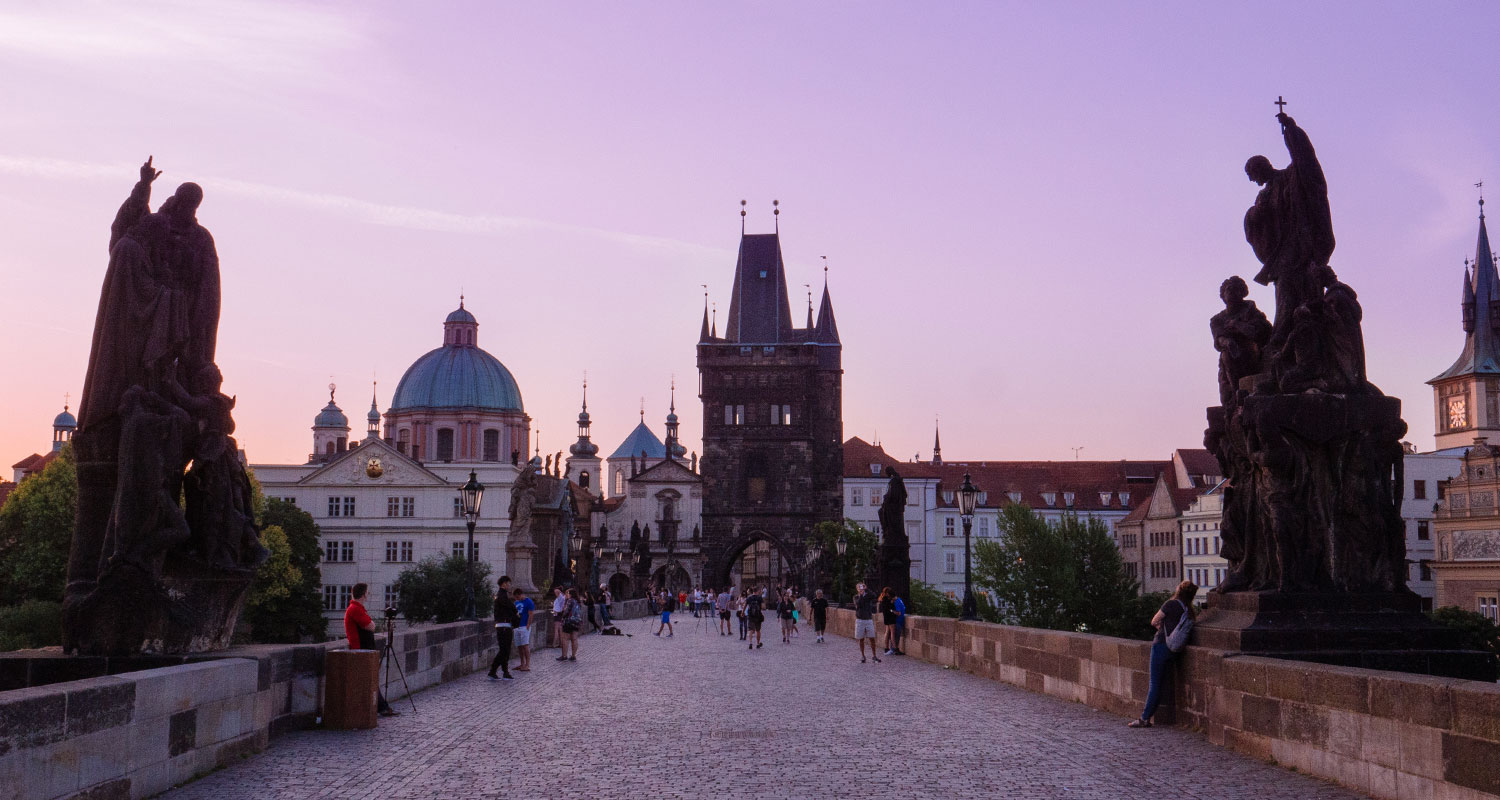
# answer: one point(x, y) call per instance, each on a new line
point(390, 612)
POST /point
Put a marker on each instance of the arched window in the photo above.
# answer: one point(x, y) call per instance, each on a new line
point(583, 479)
point(328, 448)
point(492, 445)
point(619, 481)
point(445, 444)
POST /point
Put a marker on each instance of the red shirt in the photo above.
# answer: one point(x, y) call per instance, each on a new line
point(355, 618)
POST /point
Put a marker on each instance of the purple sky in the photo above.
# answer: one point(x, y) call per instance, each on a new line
point(1027, 208)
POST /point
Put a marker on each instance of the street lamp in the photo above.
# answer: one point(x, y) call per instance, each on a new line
point(967, 494)
point(470, 495)
point(842, 545)
point(599, 553)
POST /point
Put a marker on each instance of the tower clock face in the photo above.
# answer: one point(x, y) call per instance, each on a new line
point(1458, 413)
point(373, 467)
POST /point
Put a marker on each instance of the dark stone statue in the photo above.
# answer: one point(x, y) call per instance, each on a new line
point(895, 548)
point(147, 572)
point(1312, 456)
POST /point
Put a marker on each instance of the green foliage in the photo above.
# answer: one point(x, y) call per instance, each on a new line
point(927, 601)
point(857, 561)
point(1063, 576)
point(285, 604)
point(34, 623)
point(433, 590)
point(1480, 632)
point(36, 529)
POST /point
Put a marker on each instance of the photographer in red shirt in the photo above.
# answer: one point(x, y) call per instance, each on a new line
point(360, 630)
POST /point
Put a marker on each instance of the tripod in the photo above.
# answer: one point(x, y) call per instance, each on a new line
point(388, 657)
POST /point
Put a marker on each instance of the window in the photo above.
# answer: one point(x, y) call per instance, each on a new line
point(948, 498)
point(583, 479)
point(984, 498)
point(1442, 490)
point(1130, 569)
point(458, 550)
point(781, 414)
point(1068, 499)
point(338, 550)
point(856, 497)
point(392, 597)
point(1124, 499)
point(1424, 570)
point(334, 506)
point(400, 506)
point(1423, 532)
point(1419, 490)
point(458, 507)
point(875, 496)
point(1216, 547)
point(492, 445)
point(1015, 497)
point(734, 415)
point(950, 562)
point(403, 441)
point(756, 474)
point(1050, 498)
point(619, 481)
point(1104, 498)
point(337, 598)
point(340, 506)
point(948, 524)
point(398, 551)
point(875, 470)
point(445, 444)
point(1488, 606)
point(1127, 540)
point(984, 526)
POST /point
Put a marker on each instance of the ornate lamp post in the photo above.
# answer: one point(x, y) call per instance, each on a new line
point(599, 554)
point(575, 547)
point(967, 494)
point(470, 495)
point(842, 545)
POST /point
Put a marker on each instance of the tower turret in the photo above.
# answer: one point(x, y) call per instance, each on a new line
point(330, 430)
point(583, 455)
point(372, 419)
point(63, 427)
point(1467, 395)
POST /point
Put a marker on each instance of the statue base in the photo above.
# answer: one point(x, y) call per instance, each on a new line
point(1376, 630)
point(192, 608)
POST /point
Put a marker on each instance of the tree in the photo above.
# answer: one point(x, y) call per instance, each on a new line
point(34, 623)
point(858, 559)
point(433, 590)
point(284, 604)
point(36, 530)
point(927, 601)
point(1480, 632)
point(1063, 576)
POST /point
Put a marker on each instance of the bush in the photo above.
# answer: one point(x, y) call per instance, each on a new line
point(927, 601)
point(1480, 632)
point(433, 590)
point(34, 623)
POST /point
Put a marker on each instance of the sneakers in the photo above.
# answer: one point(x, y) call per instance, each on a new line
point(750, 647)
point(509, 677)
point(495, 677)
point(562, 658)
point(760, 644)
point(572, 658)
point(877, 659)
point(861, 659)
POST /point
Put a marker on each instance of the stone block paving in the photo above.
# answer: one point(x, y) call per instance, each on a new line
point(698, 716)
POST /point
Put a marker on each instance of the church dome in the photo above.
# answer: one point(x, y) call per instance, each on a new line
point(65, 420)
point(331, 417)
point(457, 375)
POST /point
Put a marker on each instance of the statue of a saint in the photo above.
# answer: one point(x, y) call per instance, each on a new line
point(1240, 332)
point(1290, 227)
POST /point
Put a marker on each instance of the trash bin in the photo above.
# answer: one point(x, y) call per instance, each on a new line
point(350, 679)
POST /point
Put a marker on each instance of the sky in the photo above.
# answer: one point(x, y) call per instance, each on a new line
point(1026, 208)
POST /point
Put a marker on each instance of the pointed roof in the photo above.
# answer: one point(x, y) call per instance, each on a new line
point(827, 328)
point(704, 334)
point(1481, 354)
point(760, 311)
point(640, 440)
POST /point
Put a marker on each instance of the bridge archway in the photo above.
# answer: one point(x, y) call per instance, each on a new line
point(754, 561)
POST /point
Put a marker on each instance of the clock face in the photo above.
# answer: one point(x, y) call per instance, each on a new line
point(373, 467)
point(1458, 413)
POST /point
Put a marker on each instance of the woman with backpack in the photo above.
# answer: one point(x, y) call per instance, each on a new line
point(572, 617)
point(1173, 623)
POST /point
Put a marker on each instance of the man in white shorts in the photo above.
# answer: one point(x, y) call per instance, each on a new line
point(864, 621)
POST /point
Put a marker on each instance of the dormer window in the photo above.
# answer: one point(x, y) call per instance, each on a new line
point(1068, 499)
point(984, 498)
point(1050, 498)
point(1124, 499)
point(875, 469)
point(1104, 498)
point(948, 498)
point(1015, 497)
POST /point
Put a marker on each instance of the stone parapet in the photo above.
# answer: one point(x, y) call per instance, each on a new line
point(138, 733)
point(1389, 734)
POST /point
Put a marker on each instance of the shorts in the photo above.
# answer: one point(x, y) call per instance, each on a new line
point(724, 615)
point(521, 636)
point(666, 617)
point(864, 629)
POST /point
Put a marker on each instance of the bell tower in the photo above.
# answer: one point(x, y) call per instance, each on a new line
point(1466, 396)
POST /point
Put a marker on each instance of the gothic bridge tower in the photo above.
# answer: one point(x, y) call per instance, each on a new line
point(773, 431)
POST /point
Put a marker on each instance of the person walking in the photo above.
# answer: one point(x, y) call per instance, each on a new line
point(572, 616)
point(787, 610)
point(1165, 621)
point(666, 615)
point(754, 616)
point(524, 606)
point(739, 614)
point(819, 614)
point(506, 619)
point(864, 621)
point(886, 604)
point(721, 605)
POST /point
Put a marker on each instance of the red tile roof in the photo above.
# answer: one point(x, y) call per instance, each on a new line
point(1199, 462)
point(34, 463)
point(1087, 480)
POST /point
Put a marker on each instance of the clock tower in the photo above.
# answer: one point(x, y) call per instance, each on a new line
point(1467, 394)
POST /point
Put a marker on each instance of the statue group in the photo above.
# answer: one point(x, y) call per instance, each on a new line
point(1311, 449)
point(165, 543)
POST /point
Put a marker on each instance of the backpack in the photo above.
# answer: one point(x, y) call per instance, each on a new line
point(1178, 638)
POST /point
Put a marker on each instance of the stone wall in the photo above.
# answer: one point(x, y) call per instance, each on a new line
point(1389, 734)
point(135, 734)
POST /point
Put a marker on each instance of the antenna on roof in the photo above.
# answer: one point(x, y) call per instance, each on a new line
point(1075, 452)
point(742, 217)
point(776, 214)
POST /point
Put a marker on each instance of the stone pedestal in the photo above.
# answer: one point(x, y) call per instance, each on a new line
point(1375, 630)
point(349, 688)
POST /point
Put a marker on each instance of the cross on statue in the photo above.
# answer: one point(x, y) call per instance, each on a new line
point(1280, 105)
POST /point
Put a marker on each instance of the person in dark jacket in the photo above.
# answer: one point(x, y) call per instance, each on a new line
point(506, 619)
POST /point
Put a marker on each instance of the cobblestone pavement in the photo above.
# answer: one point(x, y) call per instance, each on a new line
point(698, 716)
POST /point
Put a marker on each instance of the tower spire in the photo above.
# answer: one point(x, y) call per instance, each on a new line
point(705, 334)
point(937, 443)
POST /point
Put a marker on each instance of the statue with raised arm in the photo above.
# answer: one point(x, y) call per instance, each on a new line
point(143, 575)
point(1290, 227)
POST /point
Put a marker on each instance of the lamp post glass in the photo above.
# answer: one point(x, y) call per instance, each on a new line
point(967, 495)
point(471, 495)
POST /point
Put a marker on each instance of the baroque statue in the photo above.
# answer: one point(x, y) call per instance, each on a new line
point(165, 543)
point(895, 548)
point(1310, 448)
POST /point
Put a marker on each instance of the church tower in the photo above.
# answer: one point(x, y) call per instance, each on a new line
point(773, 459)
point(583, 455)
point(1466, 396)
point(330, 431)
